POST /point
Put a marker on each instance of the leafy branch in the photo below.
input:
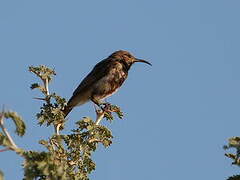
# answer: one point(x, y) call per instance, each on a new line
point(51, 111)
point(67, 156)
point(5, 138)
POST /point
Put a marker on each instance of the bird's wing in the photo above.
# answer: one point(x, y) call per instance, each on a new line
point(99, 70)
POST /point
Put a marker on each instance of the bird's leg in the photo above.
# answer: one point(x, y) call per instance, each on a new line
point(96, 102)
point(106, 105)
point(99, 112)
point(102, 105)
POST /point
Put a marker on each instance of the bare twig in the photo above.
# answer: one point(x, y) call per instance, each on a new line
point(95, 140)
point(57, 127)
point(5, 149)
point(46, 86)
point(100, 115)
point(5, 131)
point(43, 99)
point(54, 144)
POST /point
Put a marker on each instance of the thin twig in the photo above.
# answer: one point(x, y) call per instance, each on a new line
point(5, 131)
point(43, 99)
point(53, 144)
point(5, 149)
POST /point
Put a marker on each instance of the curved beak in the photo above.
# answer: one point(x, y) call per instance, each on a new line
point(143, 61)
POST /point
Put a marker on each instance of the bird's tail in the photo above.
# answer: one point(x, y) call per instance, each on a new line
point(67, 110)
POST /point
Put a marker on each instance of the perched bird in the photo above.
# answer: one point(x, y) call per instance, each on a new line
point(104, 80)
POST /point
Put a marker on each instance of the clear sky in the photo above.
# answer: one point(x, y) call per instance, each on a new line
point(178, 113)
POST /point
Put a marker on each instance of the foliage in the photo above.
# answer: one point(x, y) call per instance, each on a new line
point(19, 123)
point(234, 143)
point(236, 177)
point(1, 175)
point(51, 110)
point(67, 156)
point(5, 138)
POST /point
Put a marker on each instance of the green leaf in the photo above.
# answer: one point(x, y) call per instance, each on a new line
point(90, 127)
point(20, 125)
point(87, 120)
point(35, 85)
point(4, 141)
point(43, 142)
point(234, 142)
point(110, 109)
point(106, 142)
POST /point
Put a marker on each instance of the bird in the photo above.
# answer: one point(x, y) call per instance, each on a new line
point(104, 80)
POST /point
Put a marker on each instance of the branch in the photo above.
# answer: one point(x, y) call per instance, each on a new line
point(5, 131)
point(57, 127)
point(46, 86)
point(100, 115)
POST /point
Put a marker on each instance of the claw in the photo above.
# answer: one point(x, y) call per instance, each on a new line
point(104, 106)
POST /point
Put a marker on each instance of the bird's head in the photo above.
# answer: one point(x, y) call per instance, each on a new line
point(127, 58)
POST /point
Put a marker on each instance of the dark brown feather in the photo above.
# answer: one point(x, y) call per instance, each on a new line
point(99, 71)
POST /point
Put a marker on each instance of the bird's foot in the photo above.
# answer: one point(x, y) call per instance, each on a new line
point(105, 107)
point(102, 108)
point(106, 110)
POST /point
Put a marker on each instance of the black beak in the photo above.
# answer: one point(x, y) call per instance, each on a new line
point(143, 61)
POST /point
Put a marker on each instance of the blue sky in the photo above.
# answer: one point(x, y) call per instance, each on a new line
point(178, 113)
